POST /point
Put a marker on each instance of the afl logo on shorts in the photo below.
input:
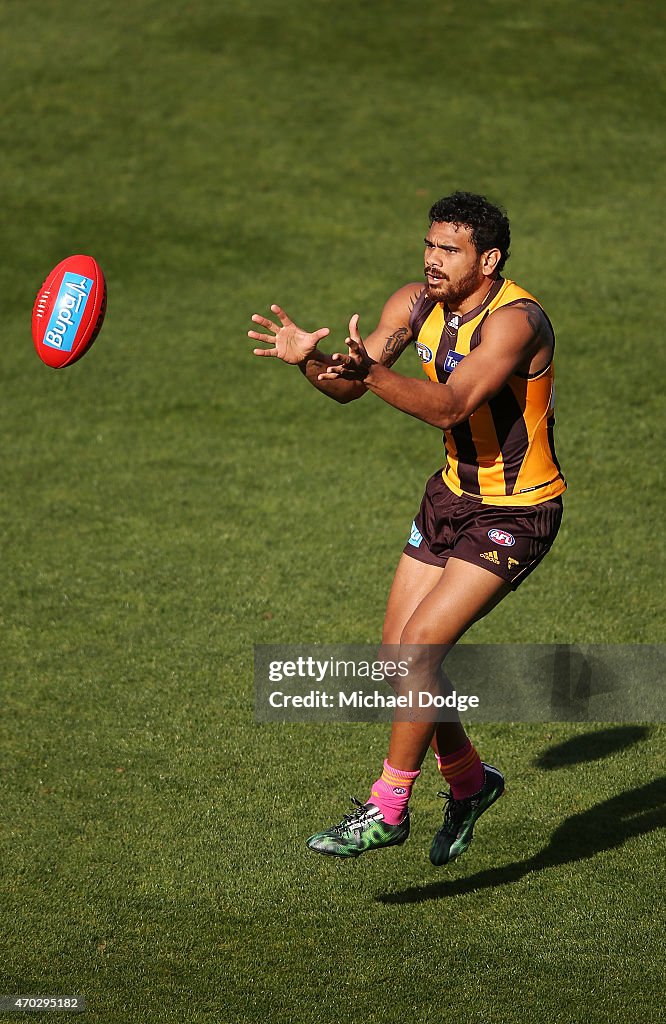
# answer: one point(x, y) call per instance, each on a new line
point(502, 537)
point(423, 352)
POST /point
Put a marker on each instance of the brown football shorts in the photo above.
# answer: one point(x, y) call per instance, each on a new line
point(508, 540)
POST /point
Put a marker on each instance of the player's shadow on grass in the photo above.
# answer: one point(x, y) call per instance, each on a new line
point(591, 746)
point(604, 827)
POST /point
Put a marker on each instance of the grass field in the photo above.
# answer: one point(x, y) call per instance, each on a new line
point(169, 501)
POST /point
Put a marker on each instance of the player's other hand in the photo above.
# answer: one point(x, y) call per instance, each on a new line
point(289, 343)
point(357, 362)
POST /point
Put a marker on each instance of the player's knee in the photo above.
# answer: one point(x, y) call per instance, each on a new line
point(421, 636)
point(421, 648)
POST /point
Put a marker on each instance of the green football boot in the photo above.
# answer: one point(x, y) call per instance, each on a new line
point(460, 816)
point(363, 829)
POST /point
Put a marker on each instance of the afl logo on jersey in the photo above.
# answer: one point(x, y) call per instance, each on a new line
point(507, 540)
point(423, 352)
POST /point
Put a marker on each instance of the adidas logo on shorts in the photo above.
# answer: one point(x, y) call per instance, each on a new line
point(490, 556)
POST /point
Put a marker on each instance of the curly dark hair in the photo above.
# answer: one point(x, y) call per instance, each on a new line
point(488, 224)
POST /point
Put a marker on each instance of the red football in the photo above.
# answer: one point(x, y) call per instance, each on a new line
point(69, 311)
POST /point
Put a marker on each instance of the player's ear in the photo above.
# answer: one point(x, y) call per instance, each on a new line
point(489, 261)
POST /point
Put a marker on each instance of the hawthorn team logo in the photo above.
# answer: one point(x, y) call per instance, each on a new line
point(415, 536)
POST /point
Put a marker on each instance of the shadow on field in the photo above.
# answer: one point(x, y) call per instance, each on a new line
point(592, 746)
point(604, 827)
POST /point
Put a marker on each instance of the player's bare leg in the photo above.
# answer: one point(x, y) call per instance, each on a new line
point(413, 583)
point(429, 609)
point(463, 593)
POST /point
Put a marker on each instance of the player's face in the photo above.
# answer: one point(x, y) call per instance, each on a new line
point(452, 265)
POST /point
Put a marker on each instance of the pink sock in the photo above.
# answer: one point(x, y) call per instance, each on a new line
point(463, 771)
point(391, 793)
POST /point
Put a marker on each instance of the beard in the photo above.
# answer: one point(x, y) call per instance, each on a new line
point(452, 293)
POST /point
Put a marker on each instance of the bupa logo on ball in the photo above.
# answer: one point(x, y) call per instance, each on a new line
point(68, 311)
point(507, 540)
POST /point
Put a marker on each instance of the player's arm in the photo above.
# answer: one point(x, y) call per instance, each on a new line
point(511, 339)
point(385, 344)
point(393, 334)
point(293, 345)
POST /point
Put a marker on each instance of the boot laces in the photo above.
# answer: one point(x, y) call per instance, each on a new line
point(454, 810)
point(355, 821)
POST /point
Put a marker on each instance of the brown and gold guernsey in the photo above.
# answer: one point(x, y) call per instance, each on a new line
point(504, 453)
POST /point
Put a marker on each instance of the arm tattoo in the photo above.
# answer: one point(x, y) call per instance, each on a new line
point(535, 317)
point(413, 299)
point(394, 346)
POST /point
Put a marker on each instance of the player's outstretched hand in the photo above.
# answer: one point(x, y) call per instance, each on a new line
point(357, 362)
point(290, 343)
